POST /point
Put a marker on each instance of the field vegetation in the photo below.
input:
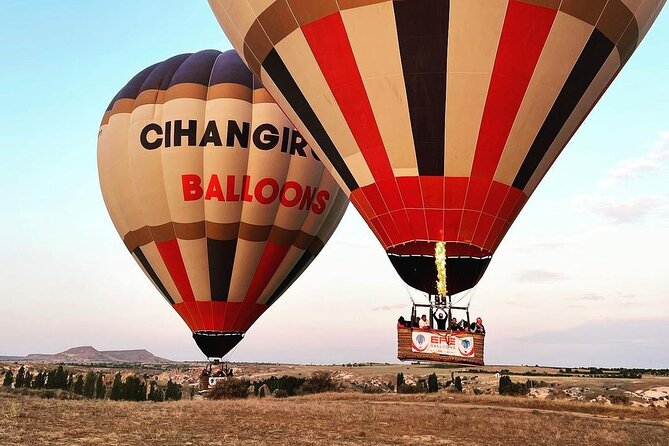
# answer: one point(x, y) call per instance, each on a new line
point(335, 405)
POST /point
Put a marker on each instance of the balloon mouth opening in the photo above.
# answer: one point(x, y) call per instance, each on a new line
point(415, 264)
point(216, 344)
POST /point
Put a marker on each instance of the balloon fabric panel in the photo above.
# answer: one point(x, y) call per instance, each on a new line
point(484, 95)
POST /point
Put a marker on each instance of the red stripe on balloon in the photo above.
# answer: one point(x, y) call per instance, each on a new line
point(330, 45)
point(526, 28)
point(272, 257)
point(181, 309)
point(270, 260)
point(171, 255)
point(249, 315)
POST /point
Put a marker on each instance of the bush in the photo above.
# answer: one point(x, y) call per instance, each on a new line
point(320, 381)
point(372, 389)
point(172, 392)
point(458, 384)
point(280, 393)
point(230, 388)
point(508, 387)
point(411, 388)
point(291, 384)
point(619, 399)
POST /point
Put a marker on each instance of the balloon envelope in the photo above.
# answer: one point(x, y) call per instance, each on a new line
point(217, 197)
point(439, 117)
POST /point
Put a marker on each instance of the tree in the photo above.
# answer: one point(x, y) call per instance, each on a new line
point(60, 379)
point(116, 390)
point(400, 381)
point(20, 376)
point(133, 389)
point(9, 379)
point(38, 382)
point(432, 383)
point(50, 382)
point(100, 388)
point(89, 385)
point(320, 381)
point(27, 381)
point(78, 387)
point(141, 395)
point(71, 381)
point(508, 387)
point(458, 384)
point(173, 391)
point(155, 394)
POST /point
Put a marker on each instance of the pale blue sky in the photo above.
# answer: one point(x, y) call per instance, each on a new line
point(587, 251)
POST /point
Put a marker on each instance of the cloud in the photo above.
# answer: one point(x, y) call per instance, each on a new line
point(624, 299)
point(655, 160)
point(590, 297)
point(390, 307)
point(540, 276)
point(616, 210)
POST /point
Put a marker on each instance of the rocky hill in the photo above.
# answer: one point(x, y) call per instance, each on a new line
point(90, 355)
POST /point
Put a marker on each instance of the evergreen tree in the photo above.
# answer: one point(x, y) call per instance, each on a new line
point(154, 392)
point(89, 385)
point(116, 389)
point(400, 381)
point(100, 388)
point(78, 387)
point(131, 389)
point(141, 395)
point(20, 376)
point(50, 379)
point(458, 384)
point(173, 391)
point(28, 380)
point(432, 383)
point(60, 379)
point(9, 379)
point(38, 382)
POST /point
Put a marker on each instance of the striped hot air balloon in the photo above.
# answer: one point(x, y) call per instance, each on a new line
point(217, 197)
point(438, 117)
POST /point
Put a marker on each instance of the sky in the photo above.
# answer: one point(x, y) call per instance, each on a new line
point(580, 279)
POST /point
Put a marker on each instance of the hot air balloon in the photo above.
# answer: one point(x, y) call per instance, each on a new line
point(439, 118)
point(215, 194)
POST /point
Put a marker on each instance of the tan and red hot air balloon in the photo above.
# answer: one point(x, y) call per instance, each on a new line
point(438, 117)
point(218, 198)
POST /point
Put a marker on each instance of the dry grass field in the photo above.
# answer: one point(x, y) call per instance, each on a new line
point(477, 416)
point(330, 419)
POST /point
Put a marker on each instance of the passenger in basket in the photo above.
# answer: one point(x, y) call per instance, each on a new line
point(423, 323)
point(441, 318)
point(463, 325)
point(479, 326)
point(454, 325)
point(416, 322)
point(401, 323)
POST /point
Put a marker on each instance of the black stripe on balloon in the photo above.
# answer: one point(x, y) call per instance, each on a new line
point(284, 81)
point(588, 65)
point(221, 257)
point(297, 270)
point(422, 31)
point(152, 274)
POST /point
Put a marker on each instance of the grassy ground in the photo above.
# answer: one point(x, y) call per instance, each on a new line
point(330, 419)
